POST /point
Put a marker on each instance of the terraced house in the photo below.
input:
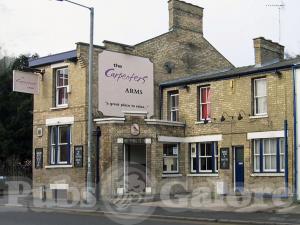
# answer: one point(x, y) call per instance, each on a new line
point(189, 116)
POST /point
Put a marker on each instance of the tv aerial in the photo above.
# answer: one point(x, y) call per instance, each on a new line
point(279, 7)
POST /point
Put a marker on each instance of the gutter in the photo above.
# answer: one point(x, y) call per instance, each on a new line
point(224, 77)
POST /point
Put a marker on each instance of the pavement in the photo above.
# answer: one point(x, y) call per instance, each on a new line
point(61, 217)
point(227, 210)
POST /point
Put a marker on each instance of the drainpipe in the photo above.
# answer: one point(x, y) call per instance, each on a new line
point(286, 169)
point(295, 134)
point(98, 150)
point(160, 102)
point(296, 155)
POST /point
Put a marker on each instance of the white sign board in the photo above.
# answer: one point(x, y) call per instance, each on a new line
point(125, 84)
point(25, 82)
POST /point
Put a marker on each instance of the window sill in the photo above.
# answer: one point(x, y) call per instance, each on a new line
point(59, 107)
point(267, 175)
point(258, 116)
point(203, 175)
point(58, 166)
point(171, 175)
point(202, 122)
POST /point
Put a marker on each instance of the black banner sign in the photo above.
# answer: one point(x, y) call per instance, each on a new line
point(224, 158)
point(38, 158)
point(78, 156)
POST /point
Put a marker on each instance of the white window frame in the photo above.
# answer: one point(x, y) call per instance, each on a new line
point(52, 145)
point(174, 110)
point(61, 144)
point(256, 155)
point(206, 157)
point(65, 71)
point(53, 142)
point(208, 103)
point(257, 97)
point(172, 157)
point(282, 154)
point(269, 155)
point(193, 155)
point(216, 163)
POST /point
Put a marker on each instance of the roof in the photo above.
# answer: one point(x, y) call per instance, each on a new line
point(226, 74)
point(60, 57)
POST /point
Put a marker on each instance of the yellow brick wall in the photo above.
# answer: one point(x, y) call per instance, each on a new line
point(232, 100)
point(45, 109)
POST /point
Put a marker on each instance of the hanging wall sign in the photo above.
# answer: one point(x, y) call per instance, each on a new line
point(78, 156)
point(38, 158)
point(224, 158)
point(25, 82)
point(125, 84)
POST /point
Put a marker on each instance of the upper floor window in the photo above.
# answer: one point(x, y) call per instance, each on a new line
point(61, 87)
point(60, 142)
point(170, 158)
point(205, 103)
point(174, 105)
point(260, 96)
point(204, 157)
point(268, 155)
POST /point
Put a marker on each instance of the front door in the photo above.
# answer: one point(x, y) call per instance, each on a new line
point(135, 168)
point(239, 169)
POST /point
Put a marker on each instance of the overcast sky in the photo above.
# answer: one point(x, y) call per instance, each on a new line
point(48, 26)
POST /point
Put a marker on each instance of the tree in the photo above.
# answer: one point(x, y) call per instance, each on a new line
point(15, 116)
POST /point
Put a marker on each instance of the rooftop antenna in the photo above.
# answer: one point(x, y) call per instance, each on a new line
point(280, 7)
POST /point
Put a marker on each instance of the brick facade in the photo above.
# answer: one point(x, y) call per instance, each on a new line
point(231, 97)
point(185, 48)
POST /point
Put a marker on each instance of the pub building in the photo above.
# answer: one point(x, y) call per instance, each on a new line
point(171, 108)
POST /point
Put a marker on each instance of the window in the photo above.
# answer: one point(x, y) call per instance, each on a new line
point(170, 158)
point(204, 157)
point(260, 96)
point(60, 141)
point(268, 155)
point(174, 103)
point(282, 158)
point(205, 103)
point(256, 156)
point(61, 87)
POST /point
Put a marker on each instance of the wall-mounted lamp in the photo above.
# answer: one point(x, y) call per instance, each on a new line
point(169, 66)
point(278, 73)
point(186, 87)
point(223, 117)
point(240, 117)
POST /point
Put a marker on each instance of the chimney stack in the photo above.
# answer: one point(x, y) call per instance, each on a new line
point(267, 51)
point(185, 16)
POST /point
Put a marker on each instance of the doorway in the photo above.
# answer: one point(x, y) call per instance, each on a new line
point(238, 169)
point(134, 168)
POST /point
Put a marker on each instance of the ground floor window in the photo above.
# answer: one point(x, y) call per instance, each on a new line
point(268, 155)
point(170, 158)
point(204, 157)
point(60, 142)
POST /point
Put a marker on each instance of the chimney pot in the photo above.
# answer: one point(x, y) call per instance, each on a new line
point(267, 51)
point(185, 16)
